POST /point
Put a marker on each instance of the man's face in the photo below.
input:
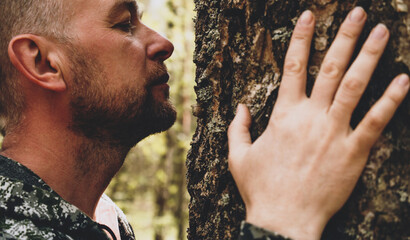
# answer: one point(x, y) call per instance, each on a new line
point(118, 88)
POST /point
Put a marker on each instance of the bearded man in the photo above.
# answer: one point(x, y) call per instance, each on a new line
point(83, 81)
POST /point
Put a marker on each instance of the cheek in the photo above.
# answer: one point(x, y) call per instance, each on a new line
point(124, 53)
point(134, 53)
point(122, 57)
point(131, 62)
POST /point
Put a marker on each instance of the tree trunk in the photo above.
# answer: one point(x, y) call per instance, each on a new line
point(161, 193)
point(240, 48)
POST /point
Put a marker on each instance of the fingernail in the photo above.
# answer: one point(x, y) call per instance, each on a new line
point(306, 17)
point(379, 31)
point(357, 14)
point(403, 80)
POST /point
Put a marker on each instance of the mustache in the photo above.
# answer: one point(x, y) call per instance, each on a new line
point(158, 75)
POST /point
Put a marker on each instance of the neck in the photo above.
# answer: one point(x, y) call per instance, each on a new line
point(78, 169)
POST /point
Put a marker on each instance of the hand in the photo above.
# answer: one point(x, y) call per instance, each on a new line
point(303, 168)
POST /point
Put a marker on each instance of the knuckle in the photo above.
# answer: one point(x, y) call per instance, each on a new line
point(395, 99)
point(331, 69)
point(375, 122)
point(349, 34)
point(293, 66)
point(340, 109)
point(339, 103)
point(299, 36)
point(372, 50)
point(353, 85)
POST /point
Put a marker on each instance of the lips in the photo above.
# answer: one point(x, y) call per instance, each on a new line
point(161, 80)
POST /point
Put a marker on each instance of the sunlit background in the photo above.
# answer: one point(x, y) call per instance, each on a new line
point(150, 188)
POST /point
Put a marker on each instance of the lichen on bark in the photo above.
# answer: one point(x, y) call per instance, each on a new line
point(240, 48)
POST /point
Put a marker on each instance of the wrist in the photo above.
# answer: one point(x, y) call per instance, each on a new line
point(298, 226)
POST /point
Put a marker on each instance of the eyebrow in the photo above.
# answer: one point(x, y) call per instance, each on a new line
point(123, 5)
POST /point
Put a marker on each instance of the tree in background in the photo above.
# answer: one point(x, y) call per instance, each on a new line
point(240, 49)
point(151, 186)
point(181, 34)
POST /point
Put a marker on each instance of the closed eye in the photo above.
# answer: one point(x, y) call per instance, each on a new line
point(126, 26)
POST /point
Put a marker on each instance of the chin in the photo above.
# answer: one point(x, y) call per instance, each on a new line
point(155, 119)
point(127, 128)
point(162, 118)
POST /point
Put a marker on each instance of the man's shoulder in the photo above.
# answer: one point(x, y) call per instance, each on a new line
point(29, 207)
point(31, 212)
point(22, 229)
point(25, 196)
point(19, 198)
point(26, 210)
point(16, 171)
point(19, 212)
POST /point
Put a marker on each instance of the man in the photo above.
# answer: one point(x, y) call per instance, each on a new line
point(82, 81)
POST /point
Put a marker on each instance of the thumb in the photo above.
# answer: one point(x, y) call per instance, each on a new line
point(239, 137)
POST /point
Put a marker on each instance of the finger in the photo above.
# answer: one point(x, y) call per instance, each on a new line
point(293, 84)
point(358, 76)
point(338, 57)
point(239, 138)
point(372, 125)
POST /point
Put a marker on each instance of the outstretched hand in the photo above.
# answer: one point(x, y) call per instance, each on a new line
point(303, 168)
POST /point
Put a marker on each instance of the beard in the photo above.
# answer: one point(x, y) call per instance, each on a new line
point(121, 118)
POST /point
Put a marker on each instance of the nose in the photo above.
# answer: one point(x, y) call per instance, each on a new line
point(159, 47)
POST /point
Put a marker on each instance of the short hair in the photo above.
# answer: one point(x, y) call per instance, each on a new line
point(38, 17)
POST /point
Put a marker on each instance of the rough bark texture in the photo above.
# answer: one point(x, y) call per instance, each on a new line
point(240, 48)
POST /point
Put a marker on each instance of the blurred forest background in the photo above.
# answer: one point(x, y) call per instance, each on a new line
point(151, 186)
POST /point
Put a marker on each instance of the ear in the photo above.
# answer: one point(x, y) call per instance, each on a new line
point(37, 59)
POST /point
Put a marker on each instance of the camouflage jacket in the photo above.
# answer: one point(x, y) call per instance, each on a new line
point(30, 209)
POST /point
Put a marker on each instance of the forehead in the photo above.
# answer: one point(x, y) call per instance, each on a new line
point(100, 7)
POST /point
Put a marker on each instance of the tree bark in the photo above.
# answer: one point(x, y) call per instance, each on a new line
point(240, 48)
